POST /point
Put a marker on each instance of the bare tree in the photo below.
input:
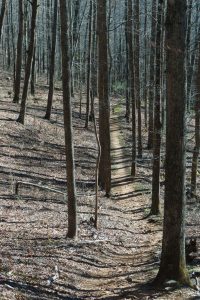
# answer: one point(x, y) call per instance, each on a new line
point(52, 63)
point(69, 148)
point(173, 263)
point(131, 81)
point(152, 75)
point(22, 113)
point(3, 9)
point(155, 207)
point(17, 81)
point(197, 131)
point(104, 106)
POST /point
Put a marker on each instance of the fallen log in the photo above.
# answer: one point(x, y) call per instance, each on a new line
point(38, 186)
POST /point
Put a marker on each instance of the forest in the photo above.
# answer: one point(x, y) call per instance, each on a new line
point(100, 142)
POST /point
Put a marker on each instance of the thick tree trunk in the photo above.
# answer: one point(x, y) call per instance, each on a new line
point(69, 148)
point(173, 264)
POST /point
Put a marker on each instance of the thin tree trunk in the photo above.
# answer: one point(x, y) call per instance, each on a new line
point(104, 105)
point(152, 76)
point(3, 9)
point(145, 70)
point(93, 64)
point(131, 81)
point(69, 148)
point(188, 54)
point(33, 73)
point(52, 63)
point(137, 74)
point(197, 132)
point(22, 113)
point(19, 54)
point(155, 206)
point(89, 66)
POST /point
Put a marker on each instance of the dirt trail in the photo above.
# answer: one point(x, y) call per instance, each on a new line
point(112, 262)
point(121, 179)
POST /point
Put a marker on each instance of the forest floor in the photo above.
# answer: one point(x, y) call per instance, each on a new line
point(117, 261)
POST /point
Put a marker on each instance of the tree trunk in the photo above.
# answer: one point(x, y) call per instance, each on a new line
point(89, 66)
point(33, 73)
point(127, 115)
point(155, 206)
point(152, 76)
point(197, 132)
point(93, 64)
point(145, 94)
point(52, 63)
point(29, 62)
point(131, 81)
point(137, 74)
point(3, 9)
point(173, 264)
point(104, 105)
point(69, 148)
point(19, 54)
point(188, 50)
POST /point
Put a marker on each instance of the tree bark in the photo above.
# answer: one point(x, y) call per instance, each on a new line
point(155, 205)
point(173, 263)
point(152, 76)
point(52, 63)
point(104, 105)
point(3, 9)
point(69, 148)
point(89, 66)
point(131, 81)
point(19, 53)
point(137, 74)
point(22, 113)
point(197, 132)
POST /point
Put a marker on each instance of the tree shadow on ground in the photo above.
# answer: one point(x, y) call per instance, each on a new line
point(35, 291)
